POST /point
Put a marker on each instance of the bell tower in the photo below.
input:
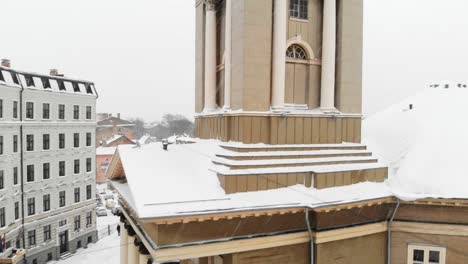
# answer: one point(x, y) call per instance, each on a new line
point(279, 71)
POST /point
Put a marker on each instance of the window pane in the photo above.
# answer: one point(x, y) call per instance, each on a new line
point(434, 257)
point(418, 255)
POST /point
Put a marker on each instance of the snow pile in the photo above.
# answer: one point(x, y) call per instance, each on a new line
point(425, 147)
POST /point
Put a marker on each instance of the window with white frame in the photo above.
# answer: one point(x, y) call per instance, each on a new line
point(298, 9)
point(296, 52)
point(426, 254)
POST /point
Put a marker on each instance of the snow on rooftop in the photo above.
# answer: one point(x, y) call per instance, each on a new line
point(105, 150)
point(424, 141)
point(113, 138)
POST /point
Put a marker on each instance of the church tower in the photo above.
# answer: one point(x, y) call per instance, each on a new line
point(279, 71)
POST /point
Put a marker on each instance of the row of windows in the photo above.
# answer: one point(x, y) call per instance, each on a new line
point(46, 142)
point(47, 231)
point(47, 83)
point(46, 111)
point(30, 170)
point(31, 204)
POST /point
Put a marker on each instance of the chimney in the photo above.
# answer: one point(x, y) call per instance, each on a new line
point(118, 115)
point(6, 63)
point(411, 106)
point(55, 72)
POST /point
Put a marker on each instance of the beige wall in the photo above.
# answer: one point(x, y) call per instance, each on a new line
point(348, 96)
point(294, 254)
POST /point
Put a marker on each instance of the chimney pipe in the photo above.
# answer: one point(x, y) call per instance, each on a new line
point(55, 72)
point(6, 63)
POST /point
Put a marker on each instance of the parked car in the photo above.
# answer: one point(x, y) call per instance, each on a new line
point(110, 203)
point(101, 211)
point(116, 210)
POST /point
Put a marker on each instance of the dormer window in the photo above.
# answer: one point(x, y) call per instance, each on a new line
point(76, 88)
point(45, 83)
point(14, 77)
point(61, 85)
point(29, 81)
point(1, 77)
point(89, 90)
point(298, 9)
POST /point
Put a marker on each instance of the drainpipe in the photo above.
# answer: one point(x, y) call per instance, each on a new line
point(389, 233)
point(311, 237)
point(21, 161)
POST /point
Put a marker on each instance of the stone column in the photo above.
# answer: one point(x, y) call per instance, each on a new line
point(228, 56)
point(123, 244)
point(327, 95)
point(280, 18)
point(132, 251)
point(210, 56)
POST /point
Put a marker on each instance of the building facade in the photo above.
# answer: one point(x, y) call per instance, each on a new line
point(47, 159)
point(110, 127)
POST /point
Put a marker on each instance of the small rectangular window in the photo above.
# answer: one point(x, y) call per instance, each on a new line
point(423, 254)
point(46, 171)
point(15, 109)
point(46, 202)
point(2, 180)
point(61, 111)
point(61, 141)
point(76, 140)
point(15, 143)
point(45, 83)
point(63, 222)
point(1, 108)
point(88, 164)
point(77, 195)
point(31, 206)
point(61, 168)
point(88, 139)
point(29, 142)
point(30, 110)
point(15, 175)
point(47, 233)
point(16, 210)
point(1, 145)
point(45, 111)
point(88, 112)
point(46, 142)
point(298, 9)
point(30, 173)
point(62, 198)
point(76, 167)
point(76, 112)
point(2, 217)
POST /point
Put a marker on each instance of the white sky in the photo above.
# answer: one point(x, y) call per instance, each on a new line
point(140, 53)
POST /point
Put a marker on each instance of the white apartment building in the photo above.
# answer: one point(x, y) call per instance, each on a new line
point(47, 165)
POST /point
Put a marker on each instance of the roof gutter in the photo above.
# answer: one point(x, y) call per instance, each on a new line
point(389, 233)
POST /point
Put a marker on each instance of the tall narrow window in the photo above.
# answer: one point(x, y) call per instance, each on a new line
point(32, 238)
point(76, 140)
point(46, 202)
point(77, 195)
point(29, 110)
point(45, 111)
point(77, 222)
point(88, 139)
point(62, 198)
point(61, 141)
point(1, 145)
point(31, 206)
point(30, 173)
point(76, 167)
point(46, 142)
point(61, 168)
point(15, 109)
point(15, 143)
point(47, 233)
point(76, 112)
point(88, 192)
point(88, 164)
point(16, 210)
point(1, 108)
point(89, 219)
point(15, 175)
point(88, 112)
point(2, 217)
point(61, 111)
point(298, 9)
point(2, 180)
point(29, 142)
point(46, 171)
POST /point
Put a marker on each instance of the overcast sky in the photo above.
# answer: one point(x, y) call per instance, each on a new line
point(140, 53)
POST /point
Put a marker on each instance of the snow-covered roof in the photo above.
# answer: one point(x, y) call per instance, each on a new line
point(183, 181)
point(424, 141)
point(114, 138)
point(105, 150)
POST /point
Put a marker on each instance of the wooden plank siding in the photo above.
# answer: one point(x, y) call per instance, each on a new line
point(275, 129)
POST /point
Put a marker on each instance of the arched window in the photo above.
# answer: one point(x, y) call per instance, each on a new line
point(296, 52)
